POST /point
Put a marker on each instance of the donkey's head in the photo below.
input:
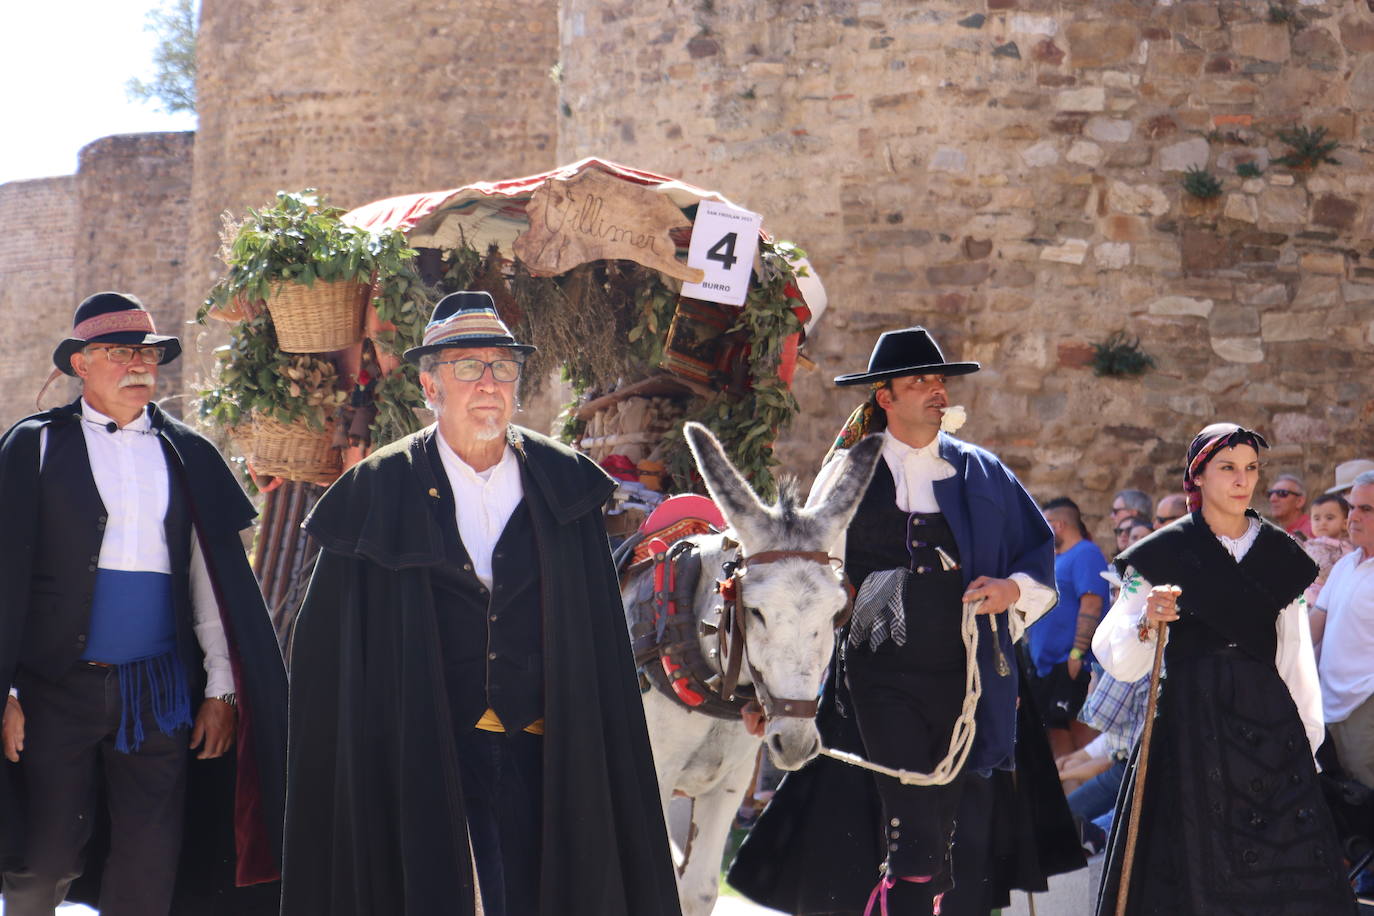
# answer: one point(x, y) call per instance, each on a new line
point(792, 603)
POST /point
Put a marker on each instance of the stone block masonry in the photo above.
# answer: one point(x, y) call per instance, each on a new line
point(1007, 172)
point(1026, 206)
point(38, 228)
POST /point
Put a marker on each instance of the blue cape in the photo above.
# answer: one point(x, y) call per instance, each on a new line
point(1000, 531)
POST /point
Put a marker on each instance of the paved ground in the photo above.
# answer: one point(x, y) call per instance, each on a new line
point(1069, 895)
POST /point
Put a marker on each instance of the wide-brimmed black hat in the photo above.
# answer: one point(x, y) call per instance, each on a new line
point(910, 351)
point(117, 318)
point(468, 320)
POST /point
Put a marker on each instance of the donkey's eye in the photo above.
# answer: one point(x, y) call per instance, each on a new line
point(754, 612)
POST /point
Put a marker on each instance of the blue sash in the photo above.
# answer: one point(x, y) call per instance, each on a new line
point(133, 627)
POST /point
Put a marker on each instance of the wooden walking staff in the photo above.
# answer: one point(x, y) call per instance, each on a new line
point(1123, 889)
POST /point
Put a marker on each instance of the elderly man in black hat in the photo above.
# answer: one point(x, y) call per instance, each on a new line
point(132, 629)
point(944, 531)
point(462, 686)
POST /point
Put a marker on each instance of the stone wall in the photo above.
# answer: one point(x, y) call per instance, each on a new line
point(365, 101)
point(38, 228)
point(134, 207)
point(1008, 172)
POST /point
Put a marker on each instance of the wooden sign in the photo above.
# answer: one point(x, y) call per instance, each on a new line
point(594, 217)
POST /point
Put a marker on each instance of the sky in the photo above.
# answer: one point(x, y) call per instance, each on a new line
point(63, 68)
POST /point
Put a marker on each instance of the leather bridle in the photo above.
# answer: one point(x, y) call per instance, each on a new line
point(732, 634)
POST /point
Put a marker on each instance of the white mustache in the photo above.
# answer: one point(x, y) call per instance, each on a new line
point(136, 378)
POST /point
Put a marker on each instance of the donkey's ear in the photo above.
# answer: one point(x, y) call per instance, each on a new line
point(732, 494)
point(851, 482)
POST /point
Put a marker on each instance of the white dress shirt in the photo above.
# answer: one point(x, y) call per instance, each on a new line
point(483, 501)
point(1117, 645)
point(914, 472)
point(1347, 663)
point(130, 472)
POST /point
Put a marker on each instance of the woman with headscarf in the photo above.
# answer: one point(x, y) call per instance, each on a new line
point(1232, 820)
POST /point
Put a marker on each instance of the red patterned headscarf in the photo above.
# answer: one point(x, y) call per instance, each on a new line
point(867, 418)
point(1205, 445)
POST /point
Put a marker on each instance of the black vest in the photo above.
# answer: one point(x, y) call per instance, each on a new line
point(882, 536)
point(1222, 603)
point(71, 529)
point(491, 642)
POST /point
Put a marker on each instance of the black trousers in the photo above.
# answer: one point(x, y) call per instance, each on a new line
point(503, 791)
point(906, 718)
point(69, 747)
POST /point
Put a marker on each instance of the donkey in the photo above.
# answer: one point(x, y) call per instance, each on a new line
point(790, 600)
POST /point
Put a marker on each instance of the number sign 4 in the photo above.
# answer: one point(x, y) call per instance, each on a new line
point(724, 242)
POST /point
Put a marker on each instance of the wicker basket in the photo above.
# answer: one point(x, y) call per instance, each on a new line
point(241, 438)
point(320, 318)
point(294, 451)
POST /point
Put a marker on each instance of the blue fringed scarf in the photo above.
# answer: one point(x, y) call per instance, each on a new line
point(133, 628)
point(165, 679)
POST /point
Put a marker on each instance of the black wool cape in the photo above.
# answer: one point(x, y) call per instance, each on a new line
point(375, 823)
point(234, 803)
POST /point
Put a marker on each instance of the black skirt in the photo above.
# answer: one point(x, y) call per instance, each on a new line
point(1233, 821)
point(817, 846)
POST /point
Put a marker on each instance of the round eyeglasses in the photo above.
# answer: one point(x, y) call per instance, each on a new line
point(122, 356)
point(469, 369)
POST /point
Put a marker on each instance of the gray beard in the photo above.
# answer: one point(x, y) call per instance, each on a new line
point(489, 431)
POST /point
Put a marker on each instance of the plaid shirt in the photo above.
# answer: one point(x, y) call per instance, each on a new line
point(1117, 710)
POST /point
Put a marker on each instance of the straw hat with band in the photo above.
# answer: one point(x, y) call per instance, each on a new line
point(465, 320)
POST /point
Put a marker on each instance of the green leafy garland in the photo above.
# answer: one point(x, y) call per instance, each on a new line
point(300, 240)
point(254, 376)
point(582, 322)
point(748, 424)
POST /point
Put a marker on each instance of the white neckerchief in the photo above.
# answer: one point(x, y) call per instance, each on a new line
point(914, 470)
point(483, 502)
point(1239, 547)
point(130, 473)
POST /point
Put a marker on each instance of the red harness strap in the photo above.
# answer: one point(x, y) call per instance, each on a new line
point(665, 606)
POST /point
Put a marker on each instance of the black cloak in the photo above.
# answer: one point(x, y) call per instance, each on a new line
point(375, 823)
point(235, 802)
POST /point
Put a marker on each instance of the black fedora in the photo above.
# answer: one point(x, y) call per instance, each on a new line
point(117, 318)
point(910, 351)
point(466, 320)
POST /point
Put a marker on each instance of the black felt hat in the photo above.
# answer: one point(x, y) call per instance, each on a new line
point(117, 318)
point(910, 351)
point(466, 320)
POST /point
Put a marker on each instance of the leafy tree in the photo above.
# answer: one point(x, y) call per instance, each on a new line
point(174, 59)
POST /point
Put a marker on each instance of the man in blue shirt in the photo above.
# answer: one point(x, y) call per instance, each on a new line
point(1061, 640)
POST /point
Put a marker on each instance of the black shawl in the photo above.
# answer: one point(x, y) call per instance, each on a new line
point(375, 822)
point(234, 803)
point(1229, 598)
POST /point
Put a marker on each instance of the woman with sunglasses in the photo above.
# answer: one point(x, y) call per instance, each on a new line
point(1232, 820)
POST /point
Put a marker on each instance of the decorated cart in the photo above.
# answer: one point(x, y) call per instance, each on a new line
point(651, 302)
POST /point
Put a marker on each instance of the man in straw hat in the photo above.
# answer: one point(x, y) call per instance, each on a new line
point(944, 525)
point(463, 692)
point(132, 629)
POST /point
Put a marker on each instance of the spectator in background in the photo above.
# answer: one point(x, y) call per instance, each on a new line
point(1060, 641)
point(1137, 530)
point(1129, 530)
point(1328, 542)
point(1347, 471)
point(1092, 776)
point(1171, 508)
point(1345, 609)
point(1287, 500)
point(1128, 503)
